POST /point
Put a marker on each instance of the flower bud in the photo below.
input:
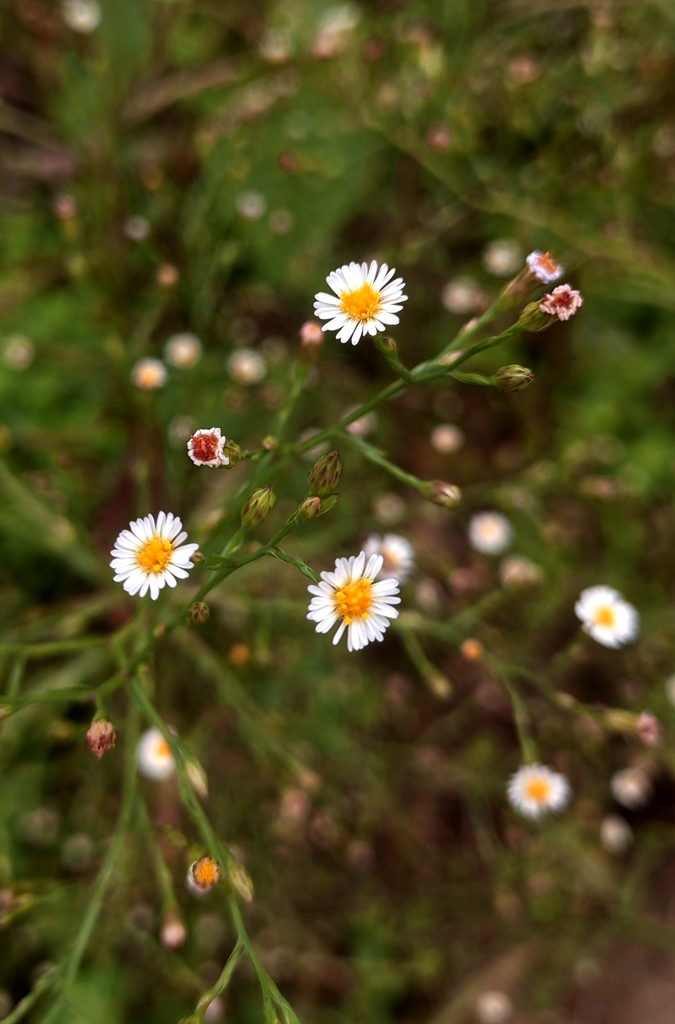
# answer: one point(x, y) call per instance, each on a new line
point(232, 452)
point(648, 729)
point(258, 505)
point(198, 613)
point(533, 319)
point(197, 558)
point(309, 508)
point(269, 443)
point(240, 880)
point(513, 378)
point(441, 493)
point(100, 737)
point(324, 475)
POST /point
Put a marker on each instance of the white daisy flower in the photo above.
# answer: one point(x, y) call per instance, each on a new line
point(246, 366)
point(490, 533)
point(535, 789)
point(367, 300)
point(151, 554)
point(606, 617)
point(631, 787)
point(205, 448)
point(149, 374)
point(183, 350)
point(397, 553)
point(154, 757)
point(544, 267)
point(348, 595)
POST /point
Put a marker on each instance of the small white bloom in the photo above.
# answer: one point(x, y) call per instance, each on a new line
point(544, 267)
point(149, 374)
point(463, 295)
point(516, 572)
point(397, 553)
point(502, 257)
point(616, 835)
point(18, 352)
point(183, 350)
point(81, 15)
point(535, 789)
point(151, 554)
point(562, 302)
point(606, 617)
point(367, 300)
point(154, 757)
point(137, 228)
point(490, 533)
point(349, 596)
point(246, 366)
point(447, 438)
point(205, 448)
point(631, 787)
point(494, 1007)
point(251, 205)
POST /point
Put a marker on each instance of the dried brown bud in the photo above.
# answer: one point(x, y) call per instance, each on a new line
point(100, 737)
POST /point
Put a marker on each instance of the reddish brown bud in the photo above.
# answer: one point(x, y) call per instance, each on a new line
point(100, 737)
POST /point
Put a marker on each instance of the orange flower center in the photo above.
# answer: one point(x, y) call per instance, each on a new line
point(361, 303)
point(353, 601)
point(604, 616)
point(547, 263)
point(537, 790)
point(206, 872)
point(162, 749)
point(155, 554)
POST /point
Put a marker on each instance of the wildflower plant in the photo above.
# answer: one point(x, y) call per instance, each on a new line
point(453, 520)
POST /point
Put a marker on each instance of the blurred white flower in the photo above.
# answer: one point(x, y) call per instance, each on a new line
point(246, 366)
point(447, 438)
point(154, 757)
point(149, 374)
point(490, 533)
point(631, 787)
point(366, 300)
point(397, 553)
point(275, 46)
point(389, 507)
point(493, 1007)
point(151, 555)
point(349, 596)
point(137, 228)
point(463, 295)
point(18, 352)
point(535, 789)
point(183, 350)
point(81, 15)
point(251, 205)
point(606, 617)
point(516, 571)
point(616, 835)
point(503, 257)
point(364, 425)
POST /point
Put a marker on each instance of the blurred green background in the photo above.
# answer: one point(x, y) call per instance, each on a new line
point(176, 165)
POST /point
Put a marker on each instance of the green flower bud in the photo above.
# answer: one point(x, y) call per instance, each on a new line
point(513, 378)
point(198, 613)
point(259, 503)
point(240, 880)
point(324, 475)
point(441, 493)
point(533, 320)
point(232, 452)
point(315, 506)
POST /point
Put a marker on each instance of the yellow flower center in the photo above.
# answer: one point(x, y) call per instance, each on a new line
point(537, 790)
point(206, 872)
point(361, 303)
point(604, 616)
point(155, 554)
point(162, 749)
point(353, 601)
